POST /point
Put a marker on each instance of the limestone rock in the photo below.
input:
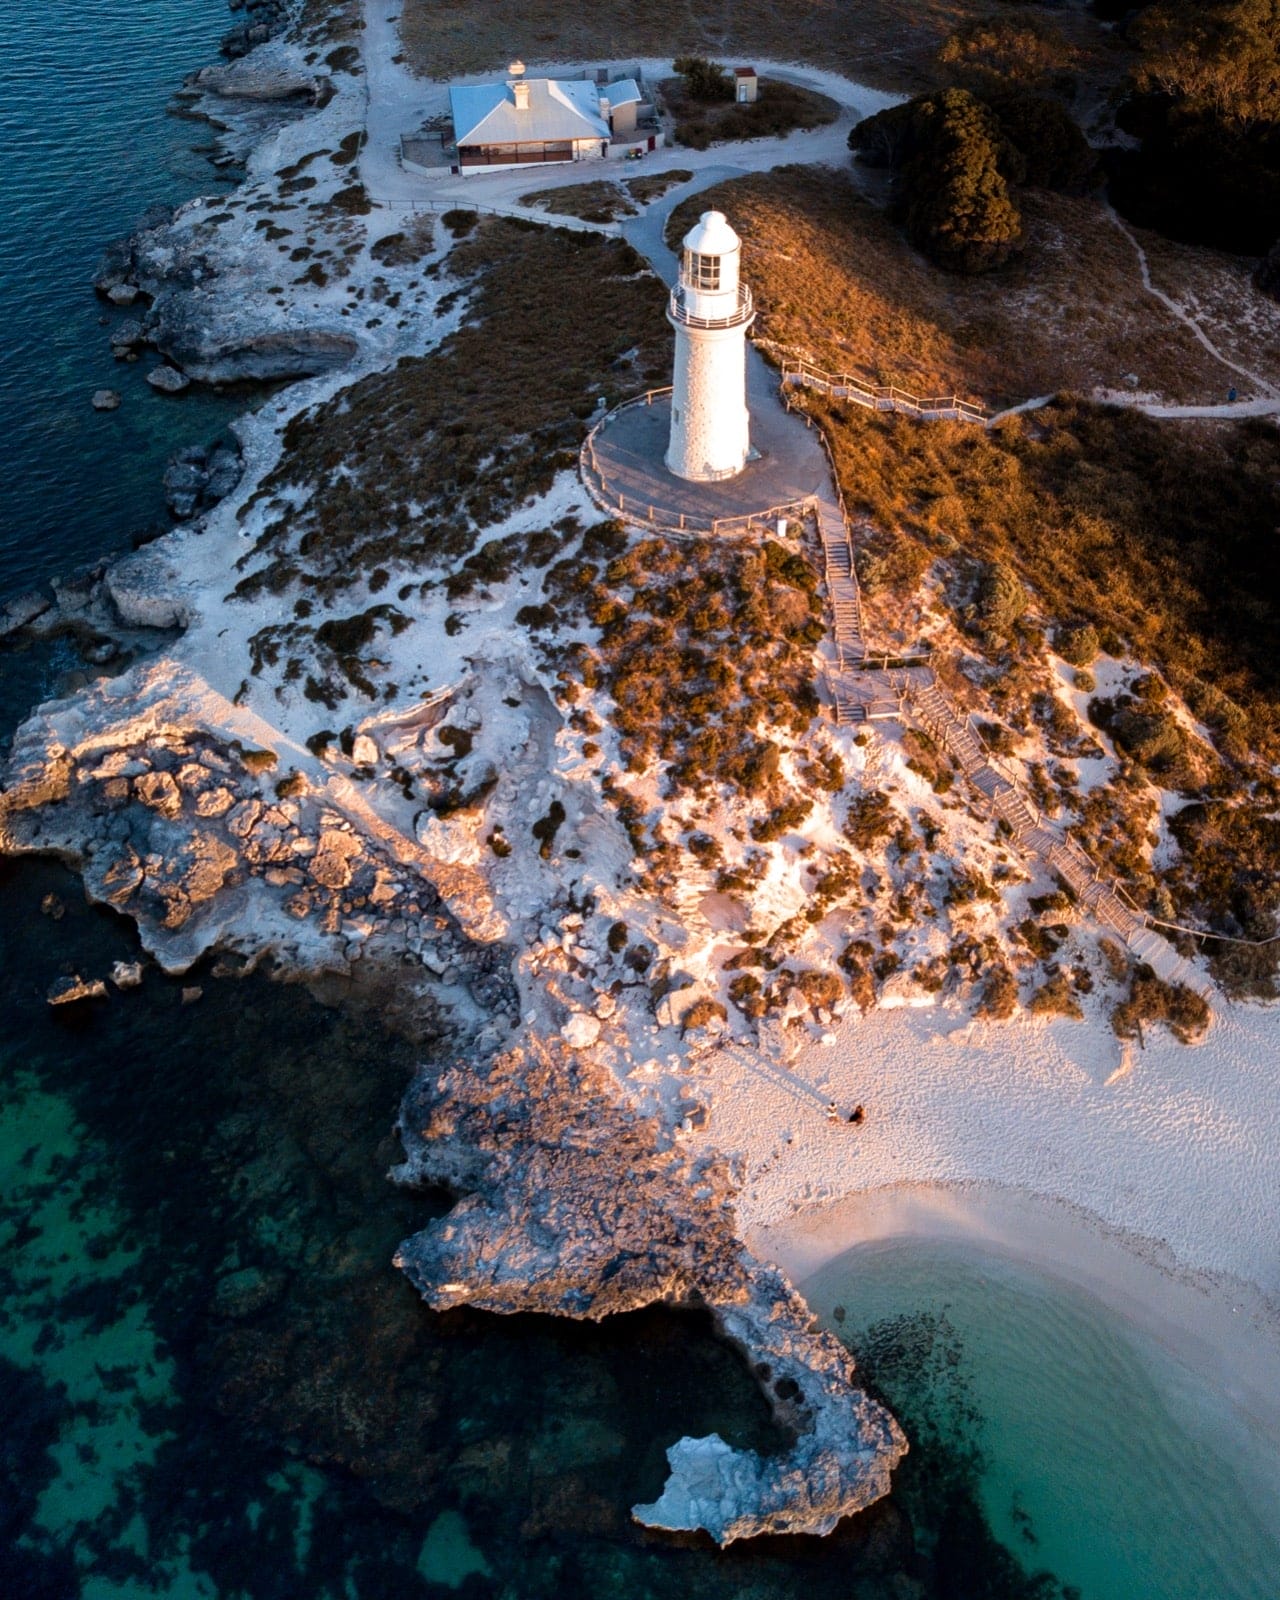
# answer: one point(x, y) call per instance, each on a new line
point(571, 1209)
point(581, 1031)
point(455, 840)
point(168, 380)
point(64, 991)
point(158, 791)
point(105, 400)
point(20, 611)
point(122, 294)
point(214, 802)
point(331, 866)
point(127, 337)
point(144, 588)
point(127, 974)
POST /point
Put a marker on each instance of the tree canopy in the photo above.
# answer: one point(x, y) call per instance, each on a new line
point(706, 80)
point(957, 205)
point(1214, 57)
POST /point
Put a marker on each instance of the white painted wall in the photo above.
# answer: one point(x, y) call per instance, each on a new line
point(710, 426)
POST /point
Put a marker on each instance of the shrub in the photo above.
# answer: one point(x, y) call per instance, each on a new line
point(999, 997)
point(701, 1014)
point(1002, 597)
point(1151, 999)
point(546, 828)
point(782, 819)
point(258, 760)
point(870, 819)
point(459, 221)
point(1077, 643)
point(1055, 998)
point(704, 79)
point(951, 194)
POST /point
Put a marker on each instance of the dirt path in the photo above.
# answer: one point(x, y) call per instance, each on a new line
point(1188, 322)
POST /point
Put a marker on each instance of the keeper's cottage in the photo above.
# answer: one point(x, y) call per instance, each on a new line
point(711, 310)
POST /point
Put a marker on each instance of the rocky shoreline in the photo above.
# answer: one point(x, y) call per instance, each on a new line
point(185, 808)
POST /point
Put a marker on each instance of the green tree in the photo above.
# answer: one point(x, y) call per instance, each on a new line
point(1008, 50)
point(705, 80)
point(957, 206)
point(1220, 57)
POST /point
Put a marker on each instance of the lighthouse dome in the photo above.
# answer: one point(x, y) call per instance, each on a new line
point(711, 235)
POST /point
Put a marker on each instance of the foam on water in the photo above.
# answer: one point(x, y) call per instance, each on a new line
point(1106, 1461)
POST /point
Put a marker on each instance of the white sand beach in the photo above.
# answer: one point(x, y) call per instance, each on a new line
point(1150, 1177)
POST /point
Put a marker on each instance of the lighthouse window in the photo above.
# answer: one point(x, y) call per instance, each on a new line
point(703, 271)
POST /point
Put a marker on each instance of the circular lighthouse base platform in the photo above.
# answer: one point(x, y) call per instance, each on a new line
point(623, 466)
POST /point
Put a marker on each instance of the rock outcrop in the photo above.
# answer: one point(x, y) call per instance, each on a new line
point(573, 1206)
point(211, 332)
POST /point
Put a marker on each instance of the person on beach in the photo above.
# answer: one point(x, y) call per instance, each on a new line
point(857, 1114)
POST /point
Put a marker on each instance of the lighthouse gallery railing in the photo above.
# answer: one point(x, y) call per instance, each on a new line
point(743, 311)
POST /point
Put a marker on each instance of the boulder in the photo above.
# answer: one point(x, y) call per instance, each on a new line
point(332, 865)
point(143, 587)
point(126, 337)
point(168, 380)
point(65, 991)
point(126, 974)
point(236, 350)
point(105, 400)
point(20, 611)
point(158, 792)
point(184, 485)
point(224, 469)
point(581, 1031)
point(123, 294)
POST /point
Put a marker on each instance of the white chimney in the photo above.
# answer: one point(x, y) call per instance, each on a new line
point(520, 92)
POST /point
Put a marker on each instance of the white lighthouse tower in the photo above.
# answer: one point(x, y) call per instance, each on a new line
point(711, 310)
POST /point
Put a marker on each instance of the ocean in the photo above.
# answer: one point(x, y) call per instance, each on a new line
point(213, 1383)
point(86, 145)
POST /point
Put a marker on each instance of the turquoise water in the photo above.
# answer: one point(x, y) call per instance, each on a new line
point(212, 1381)
point(1098, 1456)
point(85, 147)
point(213, 1385)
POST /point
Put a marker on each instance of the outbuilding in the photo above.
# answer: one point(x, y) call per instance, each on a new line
point(746, 86)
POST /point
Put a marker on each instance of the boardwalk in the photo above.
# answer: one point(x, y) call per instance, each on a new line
point(861, 692)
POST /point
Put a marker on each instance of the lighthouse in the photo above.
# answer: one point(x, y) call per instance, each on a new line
point(711, 310)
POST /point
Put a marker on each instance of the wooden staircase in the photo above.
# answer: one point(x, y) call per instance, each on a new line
point(861, 693)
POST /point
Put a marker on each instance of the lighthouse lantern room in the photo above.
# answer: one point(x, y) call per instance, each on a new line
point(711, 310)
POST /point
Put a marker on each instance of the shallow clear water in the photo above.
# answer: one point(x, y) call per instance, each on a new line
point(1102, 1458)
point(212, 1380)
point(85, 147)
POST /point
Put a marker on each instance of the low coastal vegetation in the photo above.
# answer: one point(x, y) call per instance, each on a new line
point(404, 467)
point(836, 279)
point(700, 644)
point(701, 100)
point(602, 201)
point(878, 42)
point(1104, 535)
